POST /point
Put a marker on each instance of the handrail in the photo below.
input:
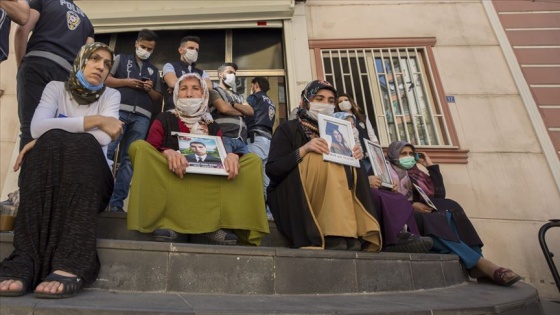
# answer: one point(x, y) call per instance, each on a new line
point(548, 254)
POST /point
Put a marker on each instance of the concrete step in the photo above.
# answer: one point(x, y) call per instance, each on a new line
point(464, 299)
point(146, 266)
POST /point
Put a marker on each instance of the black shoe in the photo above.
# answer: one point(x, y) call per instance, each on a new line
point(335, 243)
point(353, 244)
point(165, 235)
point(116, 209)
point(410, 243)
point(221, 237)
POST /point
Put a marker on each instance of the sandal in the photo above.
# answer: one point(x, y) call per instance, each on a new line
point(71, 286)
point(499, 277)
point(14, 293)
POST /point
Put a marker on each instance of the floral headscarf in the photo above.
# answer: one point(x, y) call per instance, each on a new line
point(201, 115)
point(81, 94)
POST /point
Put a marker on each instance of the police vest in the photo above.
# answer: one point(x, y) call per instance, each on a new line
point(180, 68)
point(263, 119)
point(232, 126)
point(128, 68)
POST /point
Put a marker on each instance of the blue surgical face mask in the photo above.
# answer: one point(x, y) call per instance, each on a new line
point(86, 84)
point(407, 162)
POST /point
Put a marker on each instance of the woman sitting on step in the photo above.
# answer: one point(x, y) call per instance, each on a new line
point(166, 201)
point(318, 204)
point(65, 182)
point(448, 226)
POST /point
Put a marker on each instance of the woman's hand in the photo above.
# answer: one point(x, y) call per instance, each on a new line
point(111, 126)
point(25, 149)
point(374, 181)
point(357, 152)
point(232, 165)
point(176, 162)
point(424, 159)
point(420, 207)
point(316, 145)
point(395, 187)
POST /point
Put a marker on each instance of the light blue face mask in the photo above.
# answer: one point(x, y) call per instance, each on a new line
point(407, 162)
point(86, 84)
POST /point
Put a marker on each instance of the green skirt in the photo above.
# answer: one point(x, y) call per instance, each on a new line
point(196, 203)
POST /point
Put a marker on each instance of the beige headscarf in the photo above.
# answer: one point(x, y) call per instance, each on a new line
point(201, 115)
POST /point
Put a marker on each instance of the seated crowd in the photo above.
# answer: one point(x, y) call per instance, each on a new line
point(66, 179)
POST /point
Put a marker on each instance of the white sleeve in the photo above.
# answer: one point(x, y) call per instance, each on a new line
point(371, 133)
point(168, 67)
point(109, 106)
point(45, 116)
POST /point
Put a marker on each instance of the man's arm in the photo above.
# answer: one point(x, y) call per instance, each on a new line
point(22, 35)
point(244, 109)
point(18, 11)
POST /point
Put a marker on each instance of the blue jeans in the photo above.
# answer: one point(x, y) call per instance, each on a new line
point(235, 145)
point(135, 128)
point(261, 146)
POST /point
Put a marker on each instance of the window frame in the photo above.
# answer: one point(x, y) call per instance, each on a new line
point(452, 154)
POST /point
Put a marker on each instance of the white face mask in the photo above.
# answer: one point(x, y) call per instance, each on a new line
point(320, 108)
point(230, 80)
point(188, 106)
point(345, 106)
point(191, 55)
point(142, 53)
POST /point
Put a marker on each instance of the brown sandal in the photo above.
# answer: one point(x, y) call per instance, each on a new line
point(500, 277)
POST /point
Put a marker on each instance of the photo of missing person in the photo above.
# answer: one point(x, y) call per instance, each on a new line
point(203, 153)
point(338, 145)
point(379, 164)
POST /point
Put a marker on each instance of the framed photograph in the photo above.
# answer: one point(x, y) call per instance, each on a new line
point(339, 136)
point(205, 154)
point(378, 164)
point(424, 196)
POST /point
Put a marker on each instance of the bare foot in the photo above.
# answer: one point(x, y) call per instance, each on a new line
point(53, 286)
point(11, 285)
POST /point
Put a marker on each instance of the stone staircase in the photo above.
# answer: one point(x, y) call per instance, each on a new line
point(139, 276)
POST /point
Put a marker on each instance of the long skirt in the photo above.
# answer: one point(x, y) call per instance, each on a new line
point(65, 183)
point(196, 203)
point(334, 205)
point(436, 223)
point(393, 211)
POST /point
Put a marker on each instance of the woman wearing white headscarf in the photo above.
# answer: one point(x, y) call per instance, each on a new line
point(166, 201)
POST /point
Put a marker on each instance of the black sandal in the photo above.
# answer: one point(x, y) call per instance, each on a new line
point(71, 287)
point(14, 293)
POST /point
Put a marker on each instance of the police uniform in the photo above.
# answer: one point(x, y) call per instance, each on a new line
point(180, 69)
point(260, 130)
point(135, 111)
point(60, 32)
point(5, 24)
point(234, 129)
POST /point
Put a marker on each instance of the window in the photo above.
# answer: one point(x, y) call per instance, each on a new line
point(397, 86)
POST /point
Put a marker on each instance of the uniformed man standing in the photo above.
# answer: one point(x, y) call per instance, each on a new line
point(172, 71)
point(230, 115)
point(60, 29)
point(138, 81)
point(259, 126)
point(10, 10)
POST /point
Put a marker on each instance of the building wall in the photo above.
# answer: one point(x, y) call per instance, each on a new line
point(506, 187)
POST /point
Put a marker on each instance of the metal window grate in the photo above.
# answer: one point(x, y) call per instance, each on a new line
point(393, 85)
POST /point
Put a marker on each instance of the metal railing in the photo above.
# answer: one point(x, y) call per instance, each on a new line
point(548, 254)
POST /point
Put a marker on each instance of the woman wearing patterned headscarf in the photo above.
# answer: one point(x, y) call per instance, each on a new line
point(65, 181)
point(448, 226)
point(318, 204)
point(166, 201)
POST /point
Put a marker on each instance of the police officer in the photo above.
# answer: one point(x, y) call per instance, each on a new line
point(10, 10)
point(260, 125)
point(138, 81)
point(188, 50)
point(60, 29)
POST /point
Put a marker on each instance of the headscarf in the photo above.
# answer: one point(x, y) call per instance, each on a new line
point(310, 125)
point(201, 115)
point(80, 93)
point(419, 177)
